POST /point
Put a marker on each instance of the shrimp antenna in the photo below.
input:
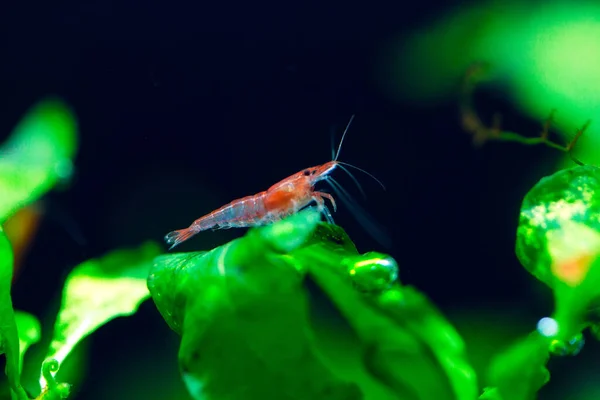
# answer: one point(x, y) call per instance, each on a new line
point(337, 155)
point(354, 179)
point(374, 229)
point(361, 170)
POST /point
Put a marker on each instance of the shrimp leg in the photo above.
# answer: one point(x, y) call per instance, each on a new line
point(328, 197)
point(319, 198)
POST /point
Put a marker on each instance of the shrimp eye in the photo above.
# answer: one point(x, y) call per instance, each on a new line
point(306, 172)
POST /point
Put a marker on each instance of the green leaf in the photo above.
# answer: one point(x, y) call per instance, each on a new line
point(9, 337)
point(556, 218)
point(490, 393)
point(558, 241)
point(98, 291)
point(53, 390)
point(519, 372)
point(411, 344)
point(37, 155)
point(30, 332)
point(243, 313)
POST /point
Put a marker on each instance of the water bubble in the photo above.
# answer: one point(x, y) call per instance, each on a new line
point(547, 327)
point(372, 272)
point(570, 347)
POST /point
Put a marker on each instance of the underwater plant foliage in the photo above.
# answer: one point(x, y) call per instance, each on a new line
point(97, 291)
point(557, 67)
point(519, 371)
point(19, 330)
point(9, 334)
point(37, 155)
point(558, 240)
point(242, 311)
point(30, 332)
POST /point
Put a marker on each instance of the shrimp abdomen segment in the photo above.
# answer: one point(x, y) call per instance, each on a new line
point(244, 212)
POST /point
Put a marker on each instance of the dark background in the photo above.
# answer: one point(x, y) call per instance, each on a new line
point(185, 106)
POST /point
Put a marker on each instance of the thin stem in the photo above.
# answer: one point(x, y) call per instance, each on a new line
point(481, 133)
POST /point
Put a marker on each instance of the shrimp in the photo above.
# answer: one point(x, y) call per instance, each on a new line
point(283, 199)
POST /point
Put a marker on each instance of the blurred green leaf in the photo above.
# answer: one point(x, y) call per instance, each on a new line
point(30, 332)
point(37, 155)
point(557, 68)
point(243, 312)
point(9, 337)
point(98, 291)
point(519, 372)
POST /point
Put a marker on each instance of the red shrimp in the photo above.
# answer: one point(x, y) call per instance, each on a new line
point(284, 198)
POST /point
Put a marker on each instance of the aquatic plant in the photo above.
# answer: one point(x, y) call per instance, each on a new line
point(244, 310)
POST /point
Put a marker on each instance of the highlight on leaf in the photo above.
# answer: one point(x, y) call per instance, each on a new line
point(481, 133)
point(37, 155)
point(98, 291)
point(490, 393)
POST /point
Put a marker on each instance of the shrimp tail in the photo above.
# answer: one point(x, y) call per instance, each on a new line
point(177, 237)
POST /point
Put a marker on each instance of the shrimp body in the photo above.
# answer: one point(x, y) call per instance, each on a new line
point(285, 198)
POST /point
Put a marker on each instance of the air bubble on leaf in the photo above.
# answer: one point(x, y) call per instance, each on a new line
point(570, 347)
point(372, 272)
point(547, 327)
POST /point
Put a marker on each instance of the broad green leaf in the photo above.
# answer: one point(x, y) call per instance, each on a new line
point(37, 155)
point(30, 332)
point(412, 344)
point(217, 300)
point(247, 330)
point(9, 337)
point(98, 291)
